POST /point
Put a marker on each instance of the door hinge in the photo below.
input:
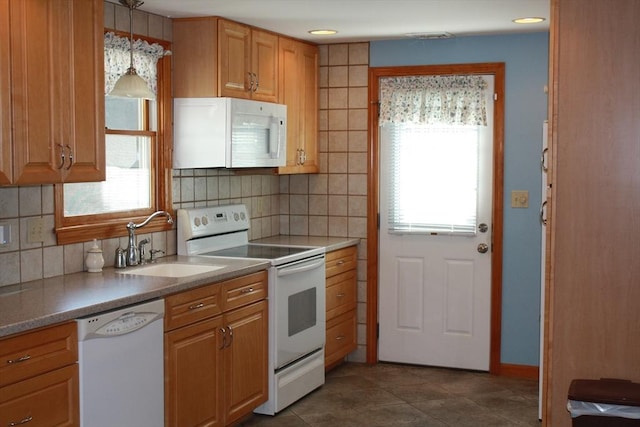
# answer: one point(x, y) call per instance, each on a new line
point(378, 221)
point(495, 96)
point(377, 330)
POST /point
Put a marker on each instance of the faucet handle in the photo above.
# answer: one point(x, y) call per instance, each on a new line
point(153, 252)
point(141, 250)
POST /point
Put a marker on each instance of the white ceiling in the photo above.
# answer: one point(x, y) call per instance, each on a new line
point(365, 20)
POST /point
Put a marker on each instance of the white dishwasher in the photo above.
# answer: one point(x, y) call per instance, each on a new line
point(121, 362)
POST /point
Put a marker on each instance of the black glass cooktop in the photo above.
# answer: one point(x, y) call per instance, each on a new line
point(257, 251)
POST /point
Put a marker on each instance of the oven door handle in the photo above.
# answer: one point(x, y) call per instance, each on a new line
point(285, 271)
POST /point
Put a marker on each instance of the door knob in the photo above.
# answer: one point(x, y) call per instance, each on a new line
point(483, 227)
point(483, 248)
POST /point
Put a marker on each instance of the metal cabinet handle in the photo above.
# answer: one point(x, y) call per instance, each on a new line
point(250, 81)
point(62, 156)
point(196, 306)
point(22, 421)
point(246, 291)
point(339, 337)
point(340, 295)
point(70, 156)
point(255, 89)
point(230, 336)
point(543, 160)
point(19, 359)
point(543, 219)
point(223, 331)
point(340, 262)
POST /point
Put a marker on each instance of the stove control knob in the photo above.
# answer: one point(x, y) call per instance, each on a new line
point(242, 215)
point(235, 216)
point(196, 221)
point(205, 220)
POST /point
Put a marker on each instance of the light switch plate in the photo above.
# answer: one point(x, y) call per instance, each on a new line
point(5, 234)
point(519, 199)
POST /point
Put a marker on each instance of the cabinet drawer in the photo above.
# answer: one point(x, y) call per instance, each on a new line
point(244, 290)
point(341, 294)
point(341, 260)
point(33, 353)
point(341, 337)
point(49, 399)
point(192, 306)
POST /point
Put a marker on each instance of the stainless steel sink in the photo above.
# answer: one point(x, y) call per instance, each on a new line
point(172, 269)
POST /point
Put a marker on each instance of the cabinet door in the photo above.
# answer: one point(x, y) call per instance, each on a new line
point(264, 66)
point(86, 125)
point(298, 90)
point(5, 96)
point(234, 46)
point(193, 375)
point(288, 95)
point(309, 106)
point(57, 90)
point(195, 57)
point(49, 399)
point(245, 360)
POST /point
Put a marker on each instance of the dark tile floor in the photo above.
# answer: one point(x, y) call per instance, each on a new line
point(398, 395)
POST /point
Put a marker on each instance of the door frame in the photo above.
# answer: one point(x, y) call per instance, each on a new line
point(497, 69)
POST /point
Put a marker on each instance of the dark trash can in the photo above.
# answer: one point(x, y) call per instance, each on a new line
point(604, 403)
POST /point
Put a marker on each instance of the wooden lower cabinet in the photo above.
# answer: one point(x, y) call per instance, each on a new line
point(216, 366)
point(341, 303)
point(245, 360)
point(193, 378)
point(49, 399)
point(39, 379)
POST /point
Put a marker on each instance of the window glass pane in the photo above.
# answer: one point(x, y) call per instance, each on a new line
point(434, 173)
point(123, 113)
point(128, 183)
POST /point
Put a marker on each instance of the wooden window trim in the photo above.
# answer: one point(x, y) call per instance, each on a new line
point(83, 229)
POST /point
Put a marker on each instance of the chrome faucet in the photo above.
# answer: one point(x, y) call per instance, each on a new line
point(132, 251)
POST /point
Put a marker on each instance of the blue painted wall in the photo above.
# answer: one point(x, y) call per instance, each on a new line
point(526, 62)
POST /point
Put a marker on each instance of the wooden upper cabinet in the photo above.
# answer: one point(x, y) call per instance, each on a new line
point(195, 57)
point(234, 43)
point(298, 90)
point(216, 57)
point(57, 86)
point(248, 62)
point(6, 171)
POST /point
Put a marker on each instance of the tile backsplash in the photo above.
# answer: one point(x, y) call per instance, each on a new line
point(23, 261)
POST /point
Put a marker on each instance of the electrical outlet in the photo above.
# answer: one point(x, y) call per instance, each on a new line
point(34, 230)
point(520, 199)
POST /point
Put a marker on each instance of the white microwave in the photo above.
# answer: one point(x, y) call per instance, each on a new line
point(228, 132)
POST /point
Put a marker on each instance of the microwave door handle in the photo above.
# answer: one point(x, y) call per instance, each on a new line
point(274, 140)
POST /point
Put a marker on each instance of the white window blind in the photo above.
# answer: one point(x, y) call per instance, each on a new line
point(433, 173)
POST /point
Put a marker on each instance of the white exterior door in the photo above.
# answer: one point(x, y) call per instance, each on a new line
point(435, 287)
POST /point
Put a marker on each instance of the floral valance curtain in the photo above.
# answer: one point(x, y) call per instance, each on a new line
point(433, 100)
point(117, 60)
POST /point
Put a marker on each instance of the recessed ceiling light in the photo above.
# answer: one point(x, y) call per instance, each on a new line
point(528, 20)
point(323, 32)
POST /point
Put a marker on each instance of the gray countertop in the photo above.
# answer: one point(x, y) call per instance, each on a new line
point(45, 302)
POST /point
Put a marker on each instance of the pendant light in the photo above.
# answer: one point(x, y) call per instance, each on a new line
point(130, 84)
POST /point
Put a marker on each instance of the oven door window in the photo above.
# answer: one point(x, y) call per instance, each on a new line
point(302, 311)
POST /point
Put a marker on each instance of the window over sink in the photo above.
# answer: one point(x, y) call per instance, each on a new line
point(138, 165)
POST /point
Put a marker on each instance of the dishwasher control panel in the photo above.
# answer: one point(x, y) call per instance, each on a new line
point(121, 321)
